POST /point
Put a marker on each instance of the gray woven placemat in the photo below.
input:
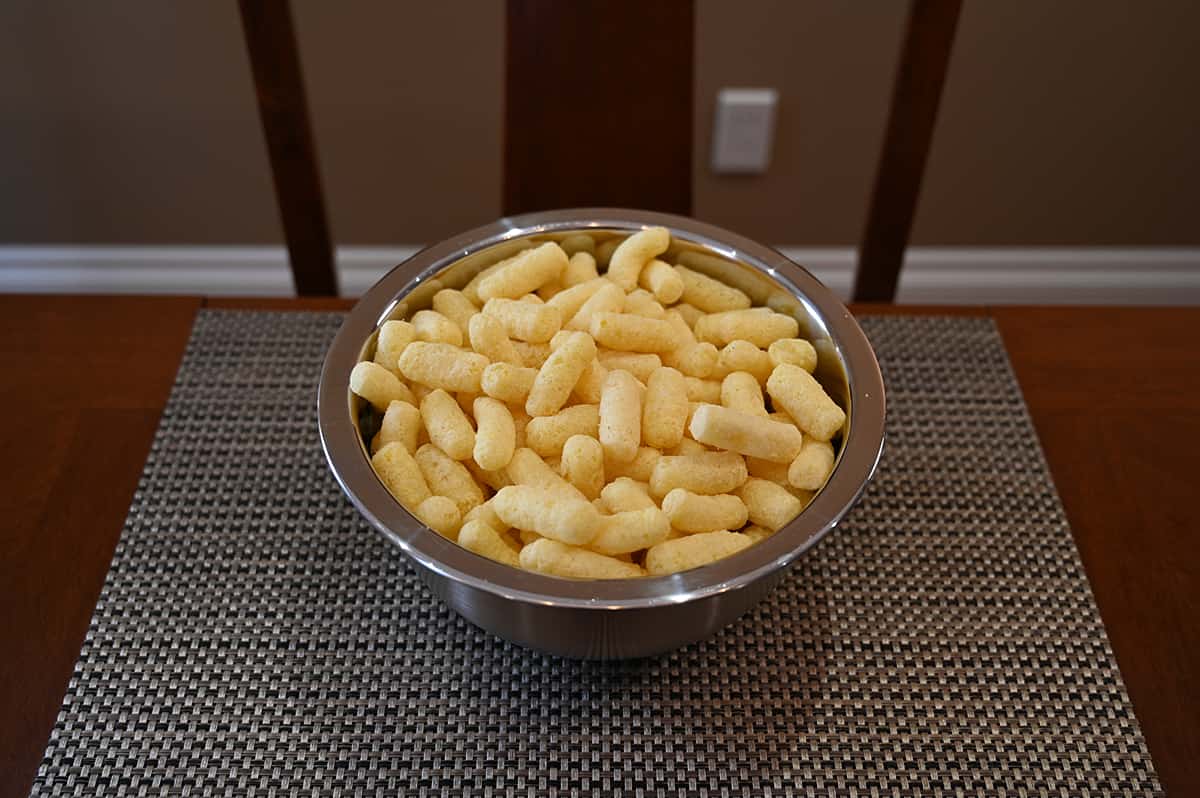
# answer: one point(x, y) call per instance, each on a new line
point(254, 636)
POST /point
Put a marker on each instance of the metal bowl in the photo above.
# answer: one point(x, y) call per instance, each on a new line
point(607, 619)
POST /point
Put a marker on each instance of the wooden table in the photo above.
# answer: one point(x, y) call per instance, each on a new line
point(1114, 394)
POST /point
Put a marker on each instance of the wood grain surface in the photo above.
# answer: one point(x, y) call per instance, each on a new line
point(916, 95)
point(577, 135)
point(283, 110)
point(85, 380)
point(1114, 394)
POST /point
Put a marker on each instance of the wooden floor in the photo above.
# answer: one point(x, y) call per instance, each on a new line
point(1114, 394)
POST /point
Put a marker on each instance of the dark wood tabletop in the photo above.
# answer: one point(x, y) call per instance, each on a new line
point(1114, 394)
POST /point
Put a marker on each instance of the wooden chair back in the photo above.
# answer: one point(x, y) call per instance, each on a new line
point(599, 112)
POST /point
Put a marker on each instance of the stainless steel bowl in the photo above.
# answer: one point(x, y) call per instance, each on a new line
point(607, 618)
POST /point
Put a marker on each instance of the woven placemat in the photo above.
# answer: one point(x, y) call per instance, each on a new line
point(255, 636)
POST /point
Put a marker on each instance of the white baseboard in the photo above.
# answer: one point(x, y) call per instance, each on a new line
point(1031, 276)
point(935, 275)
point(212, 270)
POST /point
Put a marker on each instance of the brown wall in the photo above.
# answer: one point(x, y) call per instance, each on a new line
point(1063, 123)
point(1072, 122)
point(136, 121)
point(832, 63)
point(1068, 122)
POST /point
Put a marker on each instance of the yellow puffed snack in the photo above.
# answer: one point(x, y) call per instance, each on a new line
point(629, 333)
point(442, 366)
point(378, 386)
point(580, 268)
point(805, 496)
point(768, 469)
point(690, 313)
point(528, 272)
point(401, 423)
point(550, 290)
point(666, 408)
point(441, 515)
point(591, 383)
point(691, 358)
point(560, 338)
point(578, 242)
point(489, 338)
point(570, 300)
point(812, 466)
point(640, 468)
point(400, 474)
point(709, 473)
point(493, 479)
point(630, 531)
point(496, 434)
point(692, 551)
point(433, 327)
point(560, 373)
point(389, 344)
point(694, 359)
point(420, 390)
point(795, 391)
point(608, 298)
point(631, 256)
point(547, 435)
point(698, 390)
point(528, 468)
point(621, 416)
point(507, 382)
point(745, 433)
point(520, 420)
point(689, 446)
point(624, 494)
point(455, 306)
point(449, 478)
point(558, 559)
point(467, 402)
point(643, 303)
point(661, 279)
point(693, 512)
point(581, 403)
point(760, 326)
point(485, 541)
point(525, 321)
point(447, 425)
point(471, 289)
point(756, 533)
point(796, 351)
point(709, 295)
point(741, 391)
point(485, 513)
point(743, 356)
point(770, 505)
point(533, 355)
point(728, 273)
point(583, 464)
point(547, 512)
point(640, 364)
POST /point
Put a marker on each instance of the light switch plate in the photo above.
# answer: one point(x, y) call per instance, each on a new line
point(743, 130)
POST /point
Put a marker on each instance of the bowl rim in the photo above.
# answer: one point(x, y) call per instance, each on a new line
point(348, 460)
